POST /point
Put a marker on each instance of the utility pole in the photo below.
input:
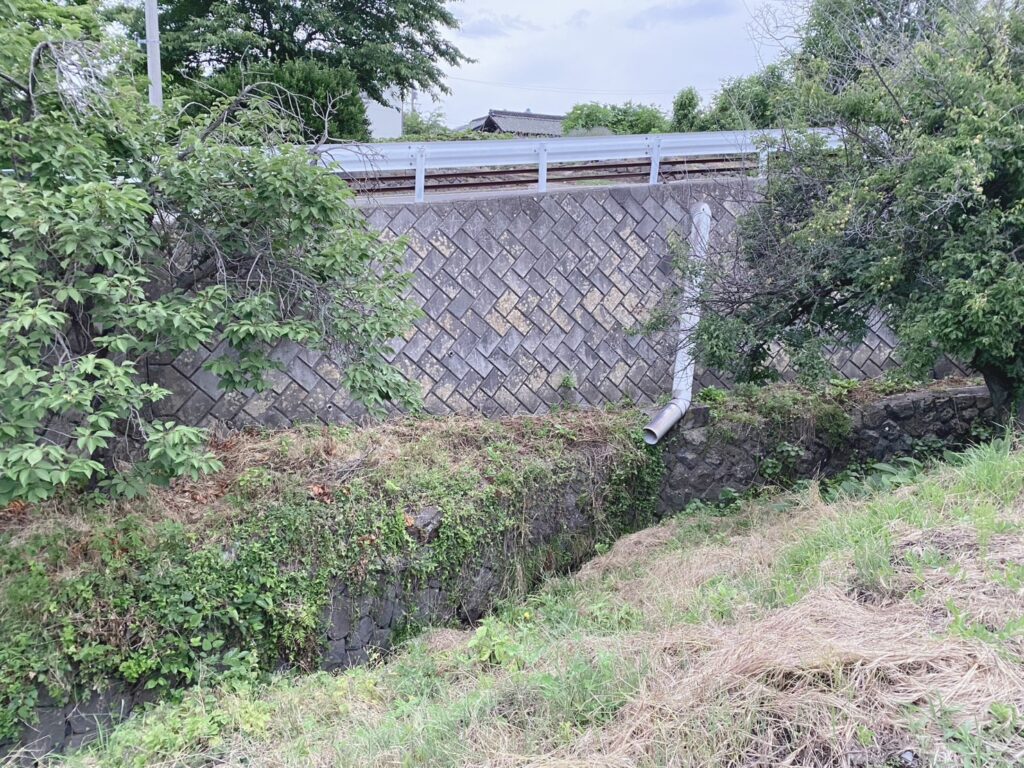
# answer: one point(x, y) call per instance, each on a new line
point(156, 88)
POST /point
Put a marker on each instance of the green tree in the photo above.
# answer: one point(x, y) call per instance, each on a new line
point(587, 117)
point(686, 113)
point(920, 215)
point(428, 125)
point(628, 118)
point(765, 99)
point(324, 100)
point(837, 58)
point(386, 43)
point(124, 232)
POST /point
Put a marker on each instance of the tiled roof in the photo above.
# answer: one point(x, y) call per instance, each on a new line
point(522, 123)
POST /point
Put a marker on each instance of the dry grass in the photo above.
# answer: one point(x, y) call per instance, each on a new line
point(668, 583)
point(826, 681)
point(331, 456)
point(321, 458)
point(827, 635)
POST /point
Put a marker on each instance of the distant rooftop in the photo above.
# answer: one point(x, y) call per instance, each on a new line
point(518, 123)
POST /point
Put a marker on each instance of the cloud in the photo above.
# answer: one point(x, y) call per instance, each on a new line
point(484, 25)
point(680, 13)
point(579, 19)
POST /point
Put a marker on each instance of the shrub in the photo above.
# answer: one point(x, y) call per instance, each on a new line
point(125, 232)
point(628, 118)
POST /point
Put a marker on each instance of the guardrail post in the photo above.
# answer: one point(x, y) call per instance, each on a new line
point(542, 168)
point(762, 161)
point(421, 173)
point(655, 160)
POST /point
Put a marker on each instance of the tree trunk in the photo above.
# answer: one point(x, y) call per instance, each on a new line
point(1007, 396)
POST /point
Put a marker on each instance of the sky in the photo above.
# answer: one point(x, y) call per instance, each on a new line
point(546, 55)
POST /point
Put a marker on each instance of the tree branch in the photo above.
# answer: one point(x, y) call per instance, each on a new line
point(17, 84)
point(222, 118)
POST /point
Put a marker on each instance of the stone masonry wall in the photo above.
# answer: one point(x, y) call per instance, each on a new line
point(702, 461)
point(359, 622)
point(523, 294)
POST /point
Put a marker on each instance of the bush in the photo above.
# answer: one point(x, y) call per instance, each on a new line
point(628, 118)
point(125, 232)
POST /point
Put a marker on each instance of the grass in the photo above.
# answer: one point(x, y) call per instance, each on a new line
point(876, 630)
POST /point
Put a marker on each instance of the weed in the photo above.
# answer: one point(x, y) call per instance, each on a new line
point(254, 482)
point(781, 464)
point(493, 643)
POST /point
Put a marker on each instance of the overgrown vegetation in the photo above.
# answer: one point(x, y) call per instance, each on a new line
point(430, 126)
point(325, 101)
point(228, 576)
point(126, 233)
point(624, 118)
point(877, 630)
point(784, 412)
point(916, 217)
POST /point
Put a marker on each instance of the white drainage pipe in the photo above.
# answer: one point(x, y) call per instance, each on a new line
point(682, 377)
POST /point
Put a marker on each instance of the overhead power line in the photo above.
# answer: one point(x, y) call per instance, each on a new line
point(556, 89)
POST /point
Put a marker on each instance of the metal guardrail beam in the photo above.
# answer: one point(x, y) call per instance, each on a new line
point(364, 159)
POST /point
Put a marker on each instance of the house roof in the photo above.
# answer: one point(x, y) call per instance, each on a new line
point(523, 123)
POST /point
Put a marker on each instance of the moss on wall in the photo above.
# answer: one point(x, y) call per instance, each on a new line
point(230, 576)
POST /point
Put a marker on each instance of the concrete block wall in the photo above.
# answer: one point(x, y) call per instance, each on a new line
point(524, 294)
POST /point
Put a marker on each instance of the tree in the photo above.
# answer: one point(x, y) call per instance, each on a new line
point(836, 58)
point(919, 214)
point(628, 118)
point(325, 100)
point(762, 100)
point(587, 117)
point(386, 43)
point(125, 232)
point(686, 114)
point(425, 126)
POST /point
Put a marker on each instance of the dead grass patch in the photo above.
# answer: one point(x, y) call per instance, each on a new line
point(826, 682)
point(319, 459)
point(952, 568)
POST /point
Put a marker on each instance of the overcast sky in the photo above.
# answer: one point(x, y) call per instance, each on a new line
point(546, 55)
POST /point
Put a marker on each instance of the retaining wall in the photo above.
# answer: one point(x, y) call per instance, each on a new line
point(704, 458)
point(558, 530)
point(523, 295)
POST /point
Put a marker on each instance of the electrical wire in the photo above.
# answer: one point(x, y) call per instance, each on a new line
point(556, 89)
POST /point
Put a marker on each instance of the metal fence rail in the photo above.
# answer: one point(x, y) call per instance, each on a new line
point(365, 160)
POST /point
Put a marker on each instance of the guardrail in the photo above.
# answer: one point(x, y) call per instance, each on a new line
point(363, 160)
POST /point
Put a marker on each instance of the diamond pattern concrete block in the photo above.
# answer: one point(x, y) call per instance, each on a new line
point(515, 291)
point(228, 406)
point(173, 381)
point(195, 408)
point(303, 374)
point(189, 361)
